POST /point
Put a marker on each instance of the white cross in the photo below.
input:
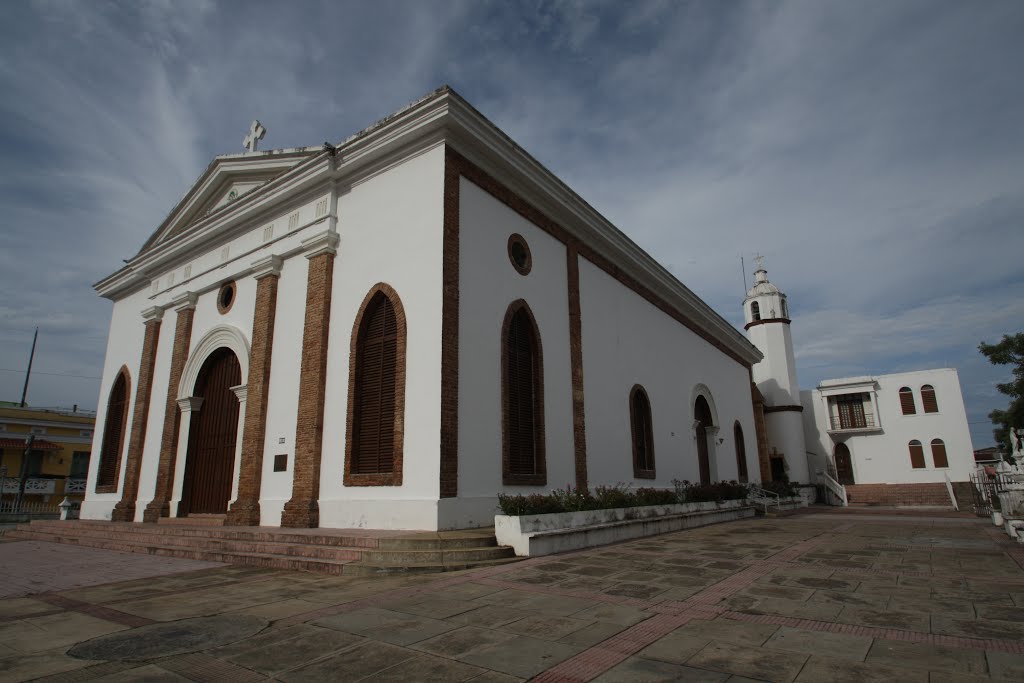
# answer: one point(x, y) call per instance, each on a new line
point(759, 260)
point(256, 133)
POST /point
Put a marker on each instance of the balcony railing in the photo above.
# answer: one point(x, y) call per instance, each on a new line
point(32, 486)
point(74, 486)
point(858, 422)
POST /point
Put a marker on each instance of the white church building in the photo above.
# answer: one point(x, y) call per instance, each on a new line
point(391, 331)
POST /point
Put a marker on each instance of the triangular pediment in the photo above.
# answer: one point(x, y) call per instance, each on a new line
point(226, 180)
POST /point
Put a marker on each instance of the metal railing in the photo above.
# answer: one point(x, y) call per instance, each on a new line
point(759, 496)
point(838, 424)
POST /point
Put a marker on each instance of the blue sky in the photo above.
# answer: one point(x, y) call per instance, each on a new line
point(871, 150)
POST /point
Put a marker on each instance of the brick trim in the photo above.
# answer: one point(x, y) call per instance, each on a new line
point(540, 477)
point(303, 509)
point(448, 474)
point(160, 505)
point(763, 321)
point(783, 409)
point(514, 239)
point(245, 511)
point(459, 165)
point(124, 511)
point(638, 472)
point(112, 487)
point(579, 425)
point(393, 478)
point(228, 286)
point(760, 432)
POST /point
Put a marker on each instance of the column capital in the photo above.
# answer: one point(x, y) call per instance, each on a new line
point(324, 243)
point(184, 301)
point(268, 266)
point(241, 391)
point(152, 314)
point(190, 404)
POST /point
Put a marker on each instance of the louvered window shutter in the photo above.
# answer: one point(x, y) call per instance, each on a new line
point(939, 453)
point(520, 383)
point(916, 455)
point(741, 454)
point(907, 401)
point(928, 399)
point(643, 433)
point(373, 448)
point(113, 433)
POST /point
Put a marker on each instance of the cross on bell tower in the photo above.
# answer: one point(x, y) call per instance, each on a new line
point(256, 133)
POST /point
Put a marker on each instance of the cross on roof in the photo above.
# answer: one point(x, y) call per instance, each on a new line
point(256, 133)
point(759, 260)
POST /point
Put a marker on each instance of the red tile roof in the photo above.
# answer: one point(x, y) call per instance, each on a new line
point(37, 445)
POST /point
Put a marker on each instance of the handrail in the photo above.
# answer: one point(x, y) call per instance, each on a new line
point(835, 487)
point(759, 495)
point(949, 490)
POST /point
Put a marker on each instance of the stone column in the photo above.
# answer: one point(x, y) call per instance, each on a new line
point(185, 307)
point(124, 511)
point(245, 511)
point(303, 510)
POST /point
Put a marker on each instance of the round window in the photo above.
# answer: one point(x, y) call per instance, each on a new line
point(519, 254)
point(226, 297)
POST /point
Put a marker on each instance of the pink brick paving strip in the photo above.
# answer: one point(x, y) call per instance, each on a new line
point(97, 611)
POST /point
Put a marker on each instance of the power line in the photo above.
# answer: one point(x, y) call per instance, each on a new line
point(53, 374)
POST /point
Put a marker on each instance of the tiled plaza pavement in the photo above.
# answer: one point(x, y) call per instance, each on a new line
point(813, 597)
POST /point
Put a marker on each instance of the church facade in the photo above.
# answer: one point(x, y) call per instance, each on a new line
point(389, 332)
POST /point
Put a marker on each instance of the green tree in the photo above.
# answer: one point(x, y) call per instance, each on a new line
point(1009, 351)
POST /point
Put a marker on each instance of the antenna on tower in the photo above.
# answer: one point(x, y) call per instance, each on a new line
point(743, 267)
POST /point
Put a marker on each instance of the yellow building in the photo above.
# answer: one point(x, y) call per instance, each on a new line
point(58, 462)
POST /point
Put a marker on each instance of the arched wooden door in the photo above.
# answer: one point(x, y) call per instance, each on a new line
point(702, 413)
point(210, 463)
point(844, 465)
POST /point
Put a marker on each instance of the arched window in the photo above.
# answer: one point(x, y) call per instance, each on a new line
point(907, 401)
point(377, 392)
point(755, 311)
point(643, 433)
point(785, 309)
point(928, 399)
point(115, 426)
point(939, 453)
point(916, 455)
point(522, 389)
point(741, 453)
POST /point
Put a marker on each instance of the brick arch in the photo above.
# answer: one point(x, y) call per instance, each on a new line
point(394, 477)
point(115, 428)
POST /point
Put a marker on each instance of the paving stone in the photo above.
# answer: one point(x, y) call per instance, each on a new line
point(933, 605)
point(636, 590)
point(907, 621)
point(488, 616)
point(387, 625)
point(926, 656)
point(977, 628)
point(946, 677)
point(591, 635)
point(151, 673)
point(282, 609)
point(819, 669)
point(56, 630)
point(827, 584)
point(1000, 613)
point(547, 628)
point(495, 677)
point(427, 668)
point(837, 645)
point(521, 656)
point(645, 670)
point(361, 661)
point(16, 608)
point(555, 605)
point(591, 570)
point(728, 631)
point(463, 641)
point(759, 663)
point(22, 667)
point(620, 614)
point(676, 647)
point(310, 644)
point(164, 640)
point(785, 592)
point(435, 608)
point(1005, 665)
point(794, 608)
point(856, 599)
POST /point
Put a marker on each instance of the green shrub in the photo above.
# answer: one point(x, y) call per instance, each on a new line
point(707, 493)
point(608, 497)
point(647, 496)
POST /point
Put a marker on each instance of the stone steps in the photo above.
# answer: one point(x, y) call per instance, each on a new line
point(328, 553)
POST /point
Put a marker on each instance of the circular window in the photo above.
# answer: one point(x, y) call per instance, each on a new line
point(226, 297)
point(519, 254)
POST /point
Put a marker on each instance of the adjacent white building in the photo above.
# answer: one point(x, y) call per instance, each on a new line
point(391, 331)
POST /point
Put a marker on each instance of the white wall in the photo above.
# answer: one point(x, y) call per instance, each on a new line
point(628, 341)
point(883, 456)
point(488, 283)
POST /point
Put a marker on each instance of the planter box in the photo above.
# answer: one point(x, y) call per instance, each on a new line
point(534, 535)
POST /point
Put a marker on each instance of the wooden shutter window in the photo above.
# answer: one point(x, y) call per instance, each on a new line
point(741, 454)
point(907, 401)
point(114, 429)
point(642, 428)
point(523, 403)
point(939, 453)
point(916, 455)
point(376, 369)
point(928, 399)
point(755, 311)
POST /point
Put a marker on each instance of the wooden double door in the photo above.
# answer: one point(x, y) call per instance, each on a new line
point(210, 463)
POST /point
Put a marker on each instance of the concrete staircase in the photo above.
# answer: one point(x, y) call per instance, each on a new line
point(326, 551)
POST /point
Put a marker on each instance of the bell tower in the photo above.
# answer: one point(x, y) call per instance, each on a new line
point(766, 312)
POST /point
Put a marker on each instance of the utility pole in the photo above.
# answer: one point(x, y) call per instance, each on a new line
point(743, 267)
point(28, 373)
point(24, 470)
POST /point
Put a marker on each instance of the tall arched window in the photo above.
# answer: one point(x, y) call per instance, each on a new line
point(907, 401)
point(643, 433)
point(115, 426)
point(377, 392)
point(928, 399)
point(916, 455)
point(741, 453)
point(522, 390)
point(755, 311)
point(939, 453)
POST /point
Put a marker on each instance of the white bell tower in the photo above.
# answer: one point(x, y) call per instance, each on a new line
point(766, 313)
